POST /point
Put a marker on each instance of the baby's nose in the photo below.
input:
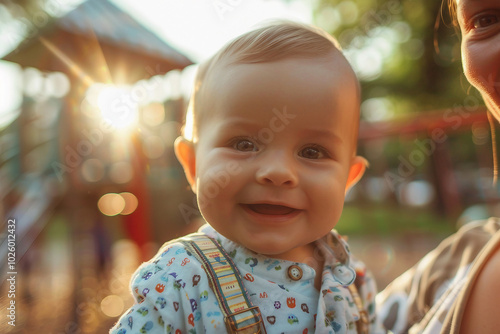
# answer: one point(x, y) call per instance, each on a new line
point(277, 170)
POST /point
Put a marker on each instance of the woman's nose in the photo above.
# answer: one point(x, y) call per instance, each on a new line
point(277, 170)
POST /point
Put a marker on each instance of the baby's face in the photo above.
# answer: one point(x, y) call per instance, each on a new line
point(275, 151)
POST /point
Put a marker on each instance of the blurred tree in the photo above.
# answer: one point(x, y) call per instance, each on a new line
point(391, 45)
point(22, 19)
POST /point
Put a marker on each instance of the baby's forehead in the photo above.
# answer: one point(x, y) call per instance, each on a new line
point(305, 87)
point(222, 74)
point(267, 85)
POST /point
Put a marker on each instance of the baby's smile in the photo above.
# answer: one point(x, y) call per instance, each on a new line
point(270, 209)
point(271, 213)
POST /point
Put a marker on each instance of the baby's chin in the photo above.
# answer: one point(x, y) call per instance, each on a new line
point(266, 249)
point(280, 251)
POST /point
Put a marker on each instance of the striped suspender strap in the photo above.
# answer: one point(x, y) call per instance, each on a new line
point(225, 280)
point(363, 323)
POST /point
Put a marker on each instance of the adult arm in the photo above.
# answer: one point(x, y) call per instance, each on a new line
point(481, 313)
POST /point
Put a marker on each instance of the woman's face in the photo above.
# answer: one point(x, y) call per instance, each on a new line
point(479, 22)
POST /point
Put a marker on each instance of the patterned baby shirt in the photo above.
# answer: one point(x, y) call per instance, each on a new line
point(173, 295)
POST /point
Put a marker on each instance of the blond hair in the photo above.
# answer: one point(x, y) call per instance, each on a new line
point(275, 41)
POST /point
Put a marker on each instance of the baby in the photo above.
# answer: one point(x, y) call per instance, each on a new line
point(269, 149)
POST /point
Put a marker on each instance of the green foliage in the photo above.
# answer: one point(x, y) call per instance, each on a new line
point(392, 46)
point(391, 220)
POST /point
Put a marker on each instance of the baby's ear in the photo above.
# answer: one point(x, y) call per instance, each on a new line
point(185, 153)
point(356, 171)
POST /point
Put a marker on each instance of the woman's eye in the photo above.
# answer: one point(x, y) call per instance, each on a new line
point(485, 21)
point(312, 152)
point(244, 145)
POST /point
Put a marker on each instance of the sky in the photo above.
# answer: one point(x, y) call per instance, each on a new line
point(199, 28)
point(196, 28)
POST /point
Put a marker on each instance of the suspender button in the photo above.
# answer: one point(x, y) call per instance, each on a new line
point(295, 272)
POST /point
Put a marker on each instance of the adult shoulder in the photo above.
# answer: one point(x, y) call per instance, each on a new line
point(480, 314)
point(407, 301)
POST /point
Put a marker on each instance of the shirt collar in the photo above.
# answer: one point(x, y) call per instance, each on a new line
point(334, 248)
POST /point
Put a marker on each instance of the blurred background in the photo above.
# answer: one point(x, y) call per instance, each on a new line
point(92, 96)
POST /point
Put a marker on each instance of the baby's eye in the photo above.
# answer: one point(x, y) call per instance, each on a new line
point(485, 21)
point(244, 145)
point(313, 152)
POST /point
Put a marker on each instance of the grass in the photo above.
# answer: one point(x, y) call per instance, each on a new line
point(386, 220)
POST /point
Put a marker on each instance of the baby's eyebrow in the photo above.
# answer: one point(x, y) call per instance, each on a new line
point(326, 134)
point(239, 121)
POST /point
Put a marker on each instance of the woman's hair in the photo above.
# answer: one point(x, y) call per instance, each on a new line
point(448, 16)
point(275, 41)
point(452, 10)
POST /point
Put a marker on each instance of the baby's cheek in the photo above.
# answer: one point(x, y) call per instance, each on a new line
point(208, 191)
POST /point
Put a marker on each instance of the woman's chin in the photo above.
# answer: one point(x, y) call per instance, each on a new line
point(493, 105)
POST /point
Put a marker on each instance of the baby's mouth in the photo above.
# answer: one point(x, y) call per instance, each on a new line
point(270, 209)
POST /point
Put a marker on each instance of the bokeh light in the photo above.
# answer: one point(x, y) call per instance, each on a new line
point(58, 84)
point(33, 82)
point(112, 306)
point(383, 45)
point(402, 31)
point(131, 203)
point(368, 63)
point(92, 170)
point(377, 109)
point(329, 18)
point(348, 12)
point(10, 92)
point(121, 172)
point(376, 189)
point(417, 193)
point(111, 204)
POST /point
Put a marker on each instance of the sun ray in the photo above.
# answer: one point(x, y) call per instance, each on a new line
point(72, 66)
